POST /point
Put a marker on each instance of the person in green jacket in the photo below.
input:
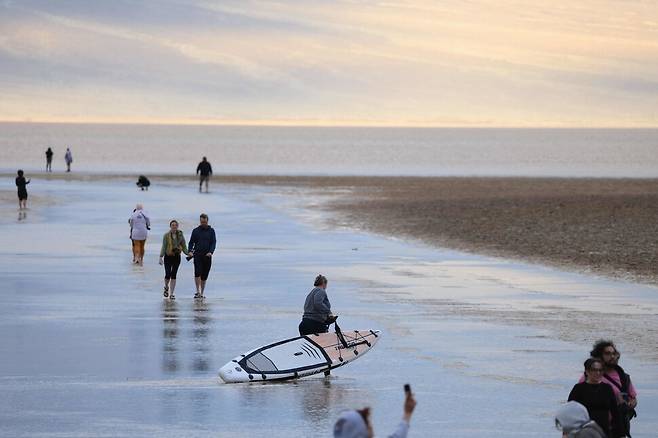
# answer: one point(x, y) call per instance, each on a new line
point(173, 244)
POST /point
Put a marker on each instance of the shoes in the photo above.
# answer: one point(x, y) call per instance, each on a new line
point(198, 295)
point(172, 297)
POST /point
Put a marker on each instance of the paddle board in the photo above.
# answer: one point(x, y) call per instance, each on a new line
point(300, 356)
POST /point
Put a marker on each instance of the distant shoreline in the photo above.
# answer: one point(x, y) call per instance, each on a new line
point(604, 226)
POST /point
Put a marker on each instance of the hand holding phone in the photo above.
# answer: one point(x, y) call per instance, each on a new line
point(409, 403)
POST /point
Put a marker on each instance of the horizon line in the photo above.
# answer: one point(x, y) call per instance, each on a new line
point(323, 124)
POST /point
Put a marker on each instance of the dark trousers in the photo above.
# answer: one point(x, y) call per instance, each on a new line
point(202, 266)
point(310, 326)
point(171, 264)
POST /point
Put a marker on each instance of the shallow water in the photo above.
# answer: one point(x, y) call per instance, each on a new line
point(90, 348)
point(144, 149)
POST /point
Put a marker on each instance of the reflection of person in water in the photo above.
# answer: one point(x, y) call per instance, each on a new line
point(202, 325)
point(169, 336)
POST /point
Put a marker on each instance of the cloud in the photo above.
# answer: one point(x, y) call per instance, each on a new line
point(504, 62)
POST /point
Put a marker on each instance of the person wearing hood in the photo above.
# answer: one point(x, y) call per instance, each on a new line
point(139, 226)
point(573, 419)
point(356, 423)
point(202, 246)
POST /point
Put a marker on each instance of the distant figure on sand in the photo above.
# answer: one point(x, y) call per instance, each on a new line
point(21, 184)
point(317, 309)
point(173, 244)
point(204, 170)
point(49, 160)
point(139, 226)
point(143, 182)
point(68, 157)
point(202, 246)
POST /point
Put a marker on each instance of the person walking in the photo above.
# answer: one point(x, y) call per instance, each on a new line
point(620, 382)
point(317, 309)
point(21, 184)
point(173, 244)
point(202, 246)
point(204, 170)
point(139, 226)
point(68, 157)
point(598, 398)
point(49, 160)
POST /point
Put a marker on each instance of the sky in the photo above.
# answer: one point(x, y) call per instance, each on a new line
point(321, 62)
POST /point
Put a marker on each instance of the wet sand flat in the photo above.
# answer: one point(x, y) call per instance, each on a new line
point(604, 226)
point(90, 348)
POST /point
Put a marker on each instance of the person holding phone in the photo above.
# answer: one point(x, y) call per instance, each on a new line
point(357, 424)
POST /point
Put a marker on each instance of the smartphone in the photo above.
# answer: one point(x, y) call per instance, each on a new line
point(407, 388)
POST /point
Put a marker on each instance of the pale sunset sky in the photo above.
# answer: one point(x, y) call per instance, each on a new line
point(419, 63)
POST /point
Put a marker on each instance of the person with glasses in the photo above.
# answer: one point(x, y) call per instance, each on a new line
point(619, 381)
point(598, 398)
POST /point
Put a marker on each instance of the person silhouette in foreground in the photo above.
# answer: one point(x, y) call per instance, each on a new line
point(573, 420)
point(356, 423)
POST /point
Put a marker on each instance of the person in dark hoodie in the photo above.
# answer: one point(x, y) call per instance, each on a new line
point(204, 170)
point(573, 420)
point(598, 398)
point(21, 184)
point(202, 246)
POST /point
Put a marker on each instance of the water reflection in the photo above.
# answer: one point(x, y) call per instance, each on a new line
point(22, 215)
point(169, 336)
point(202, 324)
point(319, 398)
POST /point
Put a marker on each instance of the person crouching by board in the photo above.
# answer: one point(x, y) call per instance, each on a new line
point(356, 423)
point(317, 309)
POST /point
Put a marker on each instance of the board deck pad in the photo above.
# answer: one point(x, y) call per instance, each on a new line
point(300, 356)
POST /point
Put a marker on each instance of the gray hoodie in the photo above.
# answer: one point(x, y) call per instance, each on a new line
point(574, 420)
point(317, 306)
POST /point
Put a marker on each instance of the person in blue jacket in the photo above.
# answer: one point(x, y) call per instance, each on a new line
point(202, 246)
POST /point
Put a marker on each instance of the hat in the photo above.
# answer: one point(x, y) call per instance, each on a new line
point(350, 424)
